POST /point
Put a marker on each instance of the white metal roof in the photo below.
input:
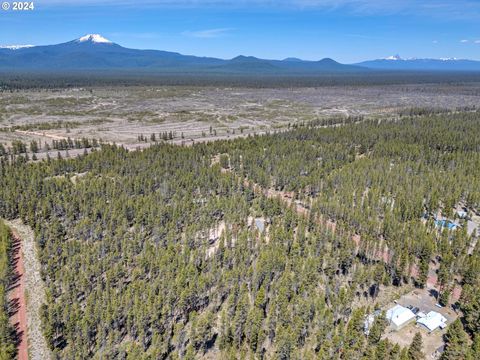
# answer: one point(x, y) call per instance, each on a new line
point(399, 315)
point(433, 320)
point(421, 314)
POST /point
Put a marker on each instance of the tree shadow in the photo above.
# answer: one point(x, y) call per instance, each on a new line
point(13, 304)
point(14, 279)
point(17, 335)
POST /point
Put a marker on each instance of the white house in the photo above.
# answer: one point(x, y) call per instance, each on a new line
point(433, 320)
point(399, 316)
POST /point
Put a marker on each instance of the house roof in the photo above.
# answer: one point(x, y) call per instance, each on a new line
point(260, 224)
point(421, 314)
point(400, 315)
point(433, 320)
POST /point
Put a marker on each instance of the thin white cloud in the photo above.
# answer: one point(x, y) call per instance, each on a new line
point(477, 41)
point(207, 33)
point(453, 9)
point(435, 41)
point(366, 4)
point(464, 41)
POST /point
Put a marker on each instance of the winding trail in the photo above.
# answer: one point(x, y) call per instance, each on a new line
point(33, 293)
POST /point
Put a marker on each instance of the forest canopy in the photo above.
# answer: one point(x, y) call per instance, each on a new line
point(158, 253)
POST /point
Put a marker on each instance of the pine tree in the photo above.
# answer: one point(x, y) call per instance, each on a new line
point(470, 305)
point(444, 296)
point(378, 327)
point(285, 343)
point(456, 342)
point(415, 350)
point(475, 350)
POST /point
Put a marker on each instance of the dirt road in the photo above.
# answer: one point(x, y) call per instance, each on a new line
point(17, 298)
point(31, 295)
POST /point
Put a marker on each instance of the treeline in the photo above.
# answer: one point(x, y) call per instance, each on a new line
point(18, 147)
point(165, 135)
point(48, 81)
point(422, 111)
point(7, 338)
point(66, 144)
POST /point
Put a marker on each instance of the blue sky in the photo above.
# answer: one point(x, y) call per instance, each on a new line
point(346, 30)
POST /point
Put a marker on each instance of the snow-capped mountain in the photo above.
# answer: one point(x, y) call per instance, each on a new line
point(393, 57)
point(95, 52)
point(94, 38)
point(396, 62)
point(399, 58)
point(15, 47)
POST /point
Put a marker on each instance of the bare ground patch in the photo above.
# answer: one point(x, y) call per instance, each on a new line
point(122, 114)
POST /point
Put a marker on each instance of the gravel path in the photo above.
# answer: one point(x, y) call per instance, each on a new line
point(37, 346)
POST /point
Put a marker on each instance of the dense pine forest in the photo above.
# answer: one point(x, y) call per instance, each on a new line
point(54, 80)
point(7, 339)
point(267, 247)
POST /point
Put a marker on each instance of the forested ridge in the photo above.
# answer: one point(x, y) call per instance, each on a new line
point(133, 271)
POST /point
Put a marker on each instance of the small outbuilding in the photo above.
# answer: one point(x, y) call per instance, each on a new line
point(260, 224)
point(446, 224)
point(367, 324)
point(369, 320)
point(433, 320)
point(399, 316)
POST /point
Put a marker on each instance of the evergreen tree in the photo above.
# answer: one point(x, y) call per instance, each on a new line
point(415, 351)
point(456, 342)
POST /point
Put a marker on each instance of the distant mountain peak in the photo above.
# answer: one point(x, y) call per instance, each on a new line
point(15, 47)
point(94, 38)
point(393, 58)
point(292, 59)
point(328, 61)
point(245, 58)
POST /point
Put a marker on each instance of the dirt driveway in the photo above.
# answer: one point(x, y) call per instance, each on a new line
point(17, 298)
point(425, 301)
